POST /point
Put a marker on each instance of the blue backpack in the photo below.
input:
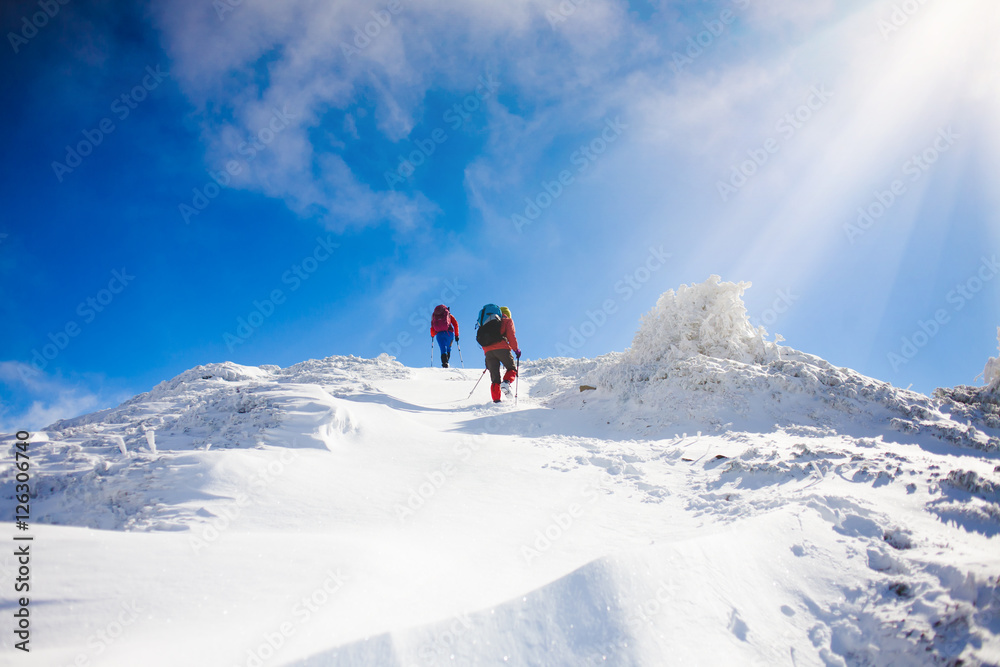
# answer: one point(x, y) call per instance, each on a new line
point(488, 325)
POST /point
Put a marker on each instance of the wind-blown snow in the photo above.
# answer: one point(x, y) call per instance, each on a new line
point(707, 319)
point(717, 499)
point(991, 374)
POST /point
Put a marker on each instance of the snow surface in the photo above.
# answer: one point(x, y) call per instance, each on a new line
point(717, 499)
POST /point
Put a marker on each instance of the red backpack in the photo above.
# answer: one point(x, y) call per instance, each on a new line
point(441, 319)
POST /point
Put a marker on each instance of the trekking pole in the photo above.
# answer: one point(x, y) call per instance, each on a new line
point(476, 385)
point(432, 352)
point(460, 353)
point(517, 380)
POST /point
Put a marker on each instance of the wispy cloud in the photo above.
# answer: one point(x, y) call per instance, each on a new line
point(317, 58)
point(43, 399)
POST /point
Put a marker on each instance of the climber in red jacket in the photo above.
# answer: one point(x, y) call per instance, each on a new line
point(444, 327)
point(497, 336)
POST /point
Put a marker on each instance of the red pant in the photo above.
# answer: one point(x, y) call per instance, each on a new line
point(493, 360)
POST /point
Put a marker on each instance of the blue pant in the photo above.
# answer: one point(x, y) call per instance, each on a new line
point(444, 339)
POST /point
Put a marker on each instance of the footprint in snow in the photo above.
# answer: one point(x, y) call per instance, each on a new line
point(737, 626)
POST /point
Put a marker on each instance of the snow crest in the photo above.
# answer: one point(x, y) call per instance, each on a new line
point(977, 405)
point(991, 373)
point(707, 319)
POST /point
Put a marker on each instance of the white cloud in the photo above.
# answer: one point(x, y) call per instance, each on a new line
point(44, 399)
point(566, 78)
point(262, 56)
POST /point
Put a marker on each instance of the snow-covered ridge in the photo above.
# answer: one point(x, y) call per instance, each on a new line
point(225, 404)
point(103, 470)
point(697, 362)
point(717, 499)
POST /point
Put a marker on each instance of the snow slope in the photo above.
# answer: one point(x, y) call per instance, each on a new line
point(727, 501)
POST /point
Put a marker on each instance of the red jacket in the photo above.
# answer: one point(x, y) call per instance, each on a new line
point(507, 331)
point(453, 327)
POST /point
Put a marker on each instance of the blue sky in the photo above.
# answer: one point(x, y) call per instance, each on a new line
point(174, 169)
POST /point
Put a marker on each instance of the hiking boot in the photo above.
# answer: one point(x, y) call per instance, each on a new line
point(505, 388)
point(444, 360)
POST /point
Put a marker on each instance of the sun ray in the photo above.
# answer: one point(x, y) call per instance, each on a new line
point(891, 106)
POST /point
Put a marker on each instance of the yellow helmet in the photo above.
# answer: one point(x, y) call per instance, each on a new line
point(505, 310)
